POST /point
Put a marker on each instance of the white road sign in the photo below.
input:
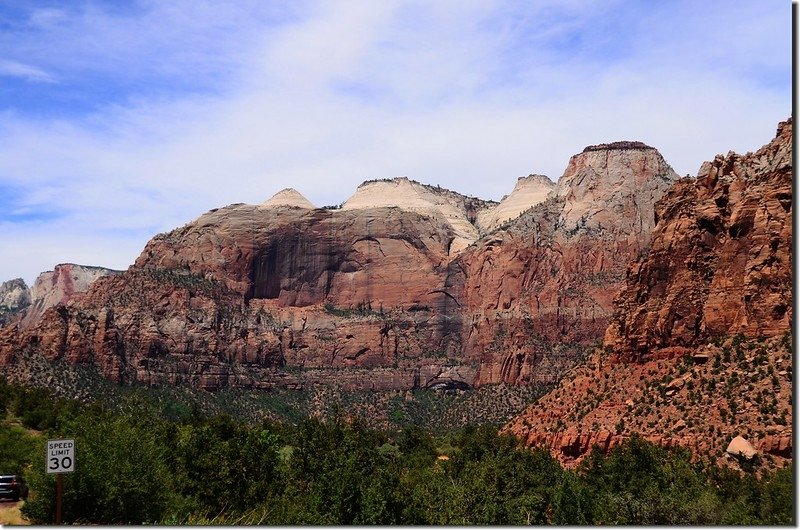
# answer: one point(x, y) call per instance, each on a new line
point(60, 456)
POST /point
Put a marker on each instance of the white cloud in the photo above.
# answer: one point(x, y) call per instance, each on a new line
point(320, 96)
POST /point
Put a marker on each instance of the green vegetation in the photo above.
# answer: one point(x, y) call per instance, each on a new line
point(136, 465)
point(183, 278)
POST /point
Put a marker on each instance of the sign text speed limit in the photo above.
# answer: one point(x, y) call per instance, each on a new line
point(60, 456)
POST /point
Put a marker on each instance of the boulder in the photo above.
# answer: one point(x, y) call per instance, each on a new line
point(741, 448)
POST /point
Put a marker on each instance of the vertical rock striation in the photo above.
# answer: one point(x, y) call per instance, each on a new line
point(539, 292)
point(720, 262)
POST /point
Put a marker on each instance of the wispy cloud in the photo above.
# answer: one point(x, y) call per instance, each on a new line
point(24, 71)
point(166, 109)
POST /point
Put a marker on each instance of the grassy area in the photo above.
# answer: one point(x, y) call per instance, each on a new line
point(11, 515)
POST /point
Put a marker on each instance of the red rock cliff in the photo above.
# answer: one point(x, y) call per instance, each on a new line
point(365, 296)
point(698, 351)
point(720, 261)
point(538, 293)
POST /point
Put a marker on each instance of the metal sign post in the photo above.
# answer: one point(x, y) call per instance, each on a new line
point(60, 459)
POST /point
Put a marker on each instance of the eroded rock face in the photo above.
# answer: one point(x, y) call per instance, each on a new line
point(614, 186)
point(382, 293)
point(458, 211)
point(538, 293)
point(720, 262)
point(15, 297)
point(254, 297)
point(380, 257)
point(59, 286)
point(288, 197)
point(710, 303)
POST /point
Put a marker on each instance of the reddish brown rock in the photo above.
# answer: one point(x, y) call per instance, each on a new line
point(60, 286)
point(244, 291)
point(778, 445)
point(720, 259)
point(538, 293)
point(719, 268)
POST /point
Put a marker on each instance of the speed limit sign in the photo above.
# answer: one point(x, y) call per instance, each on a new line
point(60, 456)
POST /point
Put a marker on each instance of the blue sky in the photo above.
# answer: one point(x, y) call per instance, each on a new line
point(122, 119)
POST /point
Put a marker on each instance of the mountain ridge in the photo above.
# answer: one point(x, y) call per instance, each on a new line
point(373, 297)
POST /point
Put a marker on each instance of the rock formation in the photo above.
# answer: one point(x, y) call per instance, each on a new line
point(699, 347)
point(528, 192)
point(741, 448)
point(538, 293)
point(395, 290)
point(15, 297)
point(459, 211)
point(720, 262)
point(59, 286)
point(255, 297)
point(288, 197)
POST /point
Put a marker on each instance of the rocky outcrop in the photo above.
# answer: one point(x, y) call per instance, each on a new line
point(15, 297)
point(379, 257)
point(538, 293)
point(253, 297)
point(528, 192)
point(720, 262)
point(614, 186)
point(59, 286)
point(704, 315)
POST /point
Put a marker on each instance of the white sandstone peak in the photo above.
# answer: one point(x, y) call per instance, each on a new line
point(528, 192)
point(288, 197)
point(409, 195)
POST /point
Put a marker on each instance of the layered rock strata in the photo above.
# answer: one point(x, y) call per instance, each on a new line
point(247, 296)
point(459, 212)
point(288, 197)
point(540, 292)
point(528, 192)
point(720, 262)
point(393, 290)
point(59, 286)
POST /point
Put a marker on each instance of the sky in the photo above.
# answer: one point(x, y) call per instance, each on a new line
point(123, 119)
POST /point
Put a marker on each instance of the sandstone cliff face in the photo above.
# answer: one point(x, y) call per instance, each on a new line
point(257, 297)
point(614, 186)
point(720, 262)
point(459, 211)
point(14, 298)
point(380, 294)
point(381, 257)
point(699, 348)
point(59, 286)
point(538, 293)
point(528, 192)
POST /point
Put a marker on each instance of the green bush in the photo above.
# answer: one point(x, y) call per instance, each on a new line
point(121, 476)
